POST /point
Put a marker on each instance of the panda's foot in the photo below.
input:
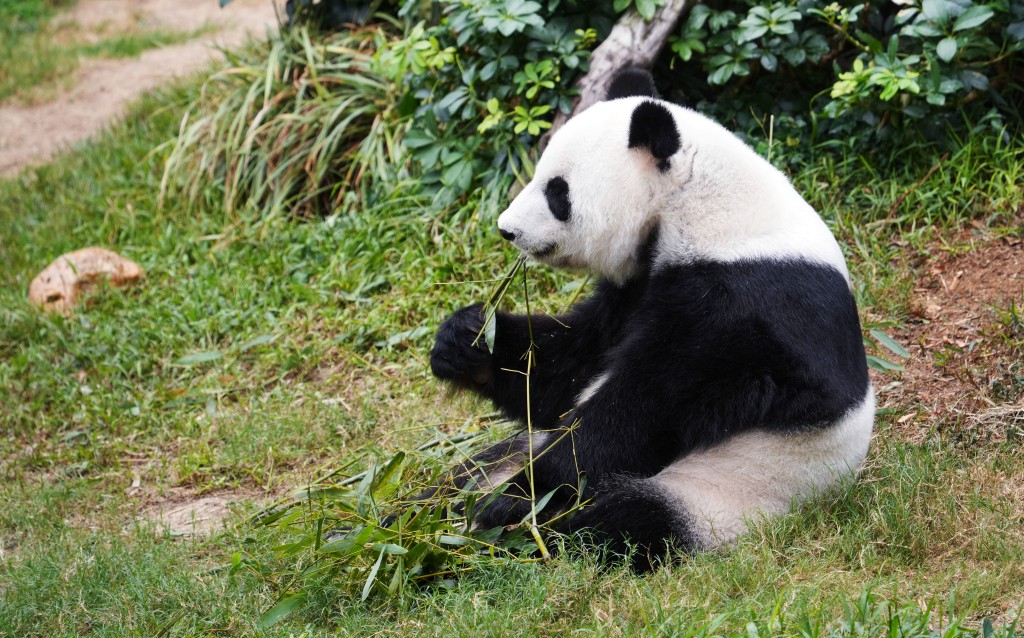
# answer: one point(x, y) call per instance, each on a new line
point(632, 521)
point(460, 354)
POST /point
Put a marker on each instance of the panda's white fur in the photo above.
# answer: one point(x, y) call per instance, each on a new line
point(719, 199)
point(757, 474)
point(716, 375)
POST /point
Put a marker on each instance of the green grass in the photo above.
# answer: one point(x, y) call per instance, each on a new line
point(131, 45)
point(262, 353)
point(31, 10)
point(41, 55)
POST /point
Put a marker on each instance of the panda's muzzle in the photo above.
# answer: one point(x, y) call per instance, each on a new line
point(545, 251)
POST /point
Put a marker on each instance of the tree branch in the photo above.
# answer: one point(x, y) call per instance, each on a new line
point(632, 42)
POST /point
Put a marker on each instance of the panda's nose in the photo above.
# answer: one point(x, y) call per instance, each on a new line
point(507, 234)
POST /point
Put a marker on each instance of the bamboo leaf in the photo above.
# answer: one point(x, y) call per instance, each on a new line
point(883, 365)
point(199, 357)
point(490, 330)
point(889, 343)
point(282, 609)
point(368, 585)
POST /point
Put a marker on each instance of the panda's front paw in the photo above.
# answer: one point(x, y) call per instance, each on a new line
point(455, 357)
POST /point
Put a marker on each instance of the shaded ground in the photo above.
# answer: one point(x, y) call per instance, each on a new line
point(103, 89)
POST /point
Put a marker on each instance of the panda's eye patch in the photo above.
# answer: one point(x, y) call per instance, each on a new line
point(557, 193)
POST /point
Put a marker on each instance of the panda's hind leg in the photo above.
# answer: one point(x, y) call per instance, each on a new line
point(634, 518)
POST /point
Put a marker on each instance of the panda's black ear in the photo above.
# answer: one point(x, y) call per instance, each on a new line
point(632, 82)
point(652, 127)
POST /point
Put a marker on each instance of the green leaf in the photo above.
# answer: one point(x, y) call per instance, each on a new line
point(368, 585)
point(416, 138)
point(890, 344)
point(936, 10)
point(283, 608)
point(950, 86)
point(539, 505)
point(458, 175)
point(748, 33)
point(974, 80)
point(390, 471)
point(783, 28)
point(878, 363)
point(261, 340)
point(489, 70)
point(621, 5)
point(973, 17)
point(456, 541)
point(646, 8)
point(1016, 31)
point(926, 30)
point(721, 75)
point(199, 357)
point(946, 49)
point(528, 8)
point(490, 329)
point(508, 27)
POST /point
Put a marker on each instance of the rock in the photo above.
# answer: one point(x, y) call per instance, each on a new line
point(60, 286)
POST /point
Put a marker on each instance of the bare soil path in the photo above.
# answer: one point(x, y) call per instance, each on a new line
point(34, 133)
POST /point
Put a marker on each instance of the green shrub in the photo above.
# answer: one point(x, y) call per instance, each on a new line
point(876, 70)
point(482, 84)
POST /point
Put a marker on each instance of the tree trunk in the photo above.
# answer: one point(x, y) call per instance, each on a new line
point(632, 42)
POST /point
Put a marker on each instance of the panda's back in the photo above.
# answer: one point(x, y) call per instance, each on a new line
point(773, 343)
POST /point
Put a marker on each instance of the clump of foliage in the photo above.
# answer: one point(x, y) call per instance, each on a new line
point(400, 522)
point(312, 123)
point(483, 83)
point(454, 94)
point(364, 535)
point(874, 70)
point(296, 123)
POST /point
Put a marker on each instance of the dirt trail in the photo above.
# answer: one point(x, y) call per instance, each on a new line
point(103, 88)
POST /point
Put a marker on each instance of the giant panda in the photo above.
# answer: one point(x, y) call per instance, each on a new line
point(715, 376)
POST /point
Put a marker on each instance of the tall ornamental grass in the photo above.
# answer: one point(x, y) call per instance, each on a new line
point(295, 123)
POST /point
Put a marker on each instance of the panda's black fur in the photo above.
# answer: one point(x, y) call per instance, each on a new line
point(671, 363)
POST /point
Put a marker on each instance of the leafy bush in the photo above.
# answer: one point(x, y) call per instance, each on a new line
point(482, 83)
point(877, 69)
point(314, 123)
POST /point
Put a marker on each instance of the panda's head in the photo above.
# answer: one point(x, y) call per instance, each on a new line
point(601, 182)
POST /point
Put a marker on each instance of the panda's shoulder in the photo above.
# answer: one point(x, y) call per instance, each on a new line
point(722, 294)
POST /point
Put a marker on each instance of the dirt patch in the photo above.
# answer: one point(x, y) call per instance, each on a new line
point(184, 513)
point(966, 364)
point(104, 88)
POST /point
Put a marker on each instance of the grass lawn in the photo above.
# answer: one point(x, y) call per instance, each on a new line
point(41, 53)
point(260, 354)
